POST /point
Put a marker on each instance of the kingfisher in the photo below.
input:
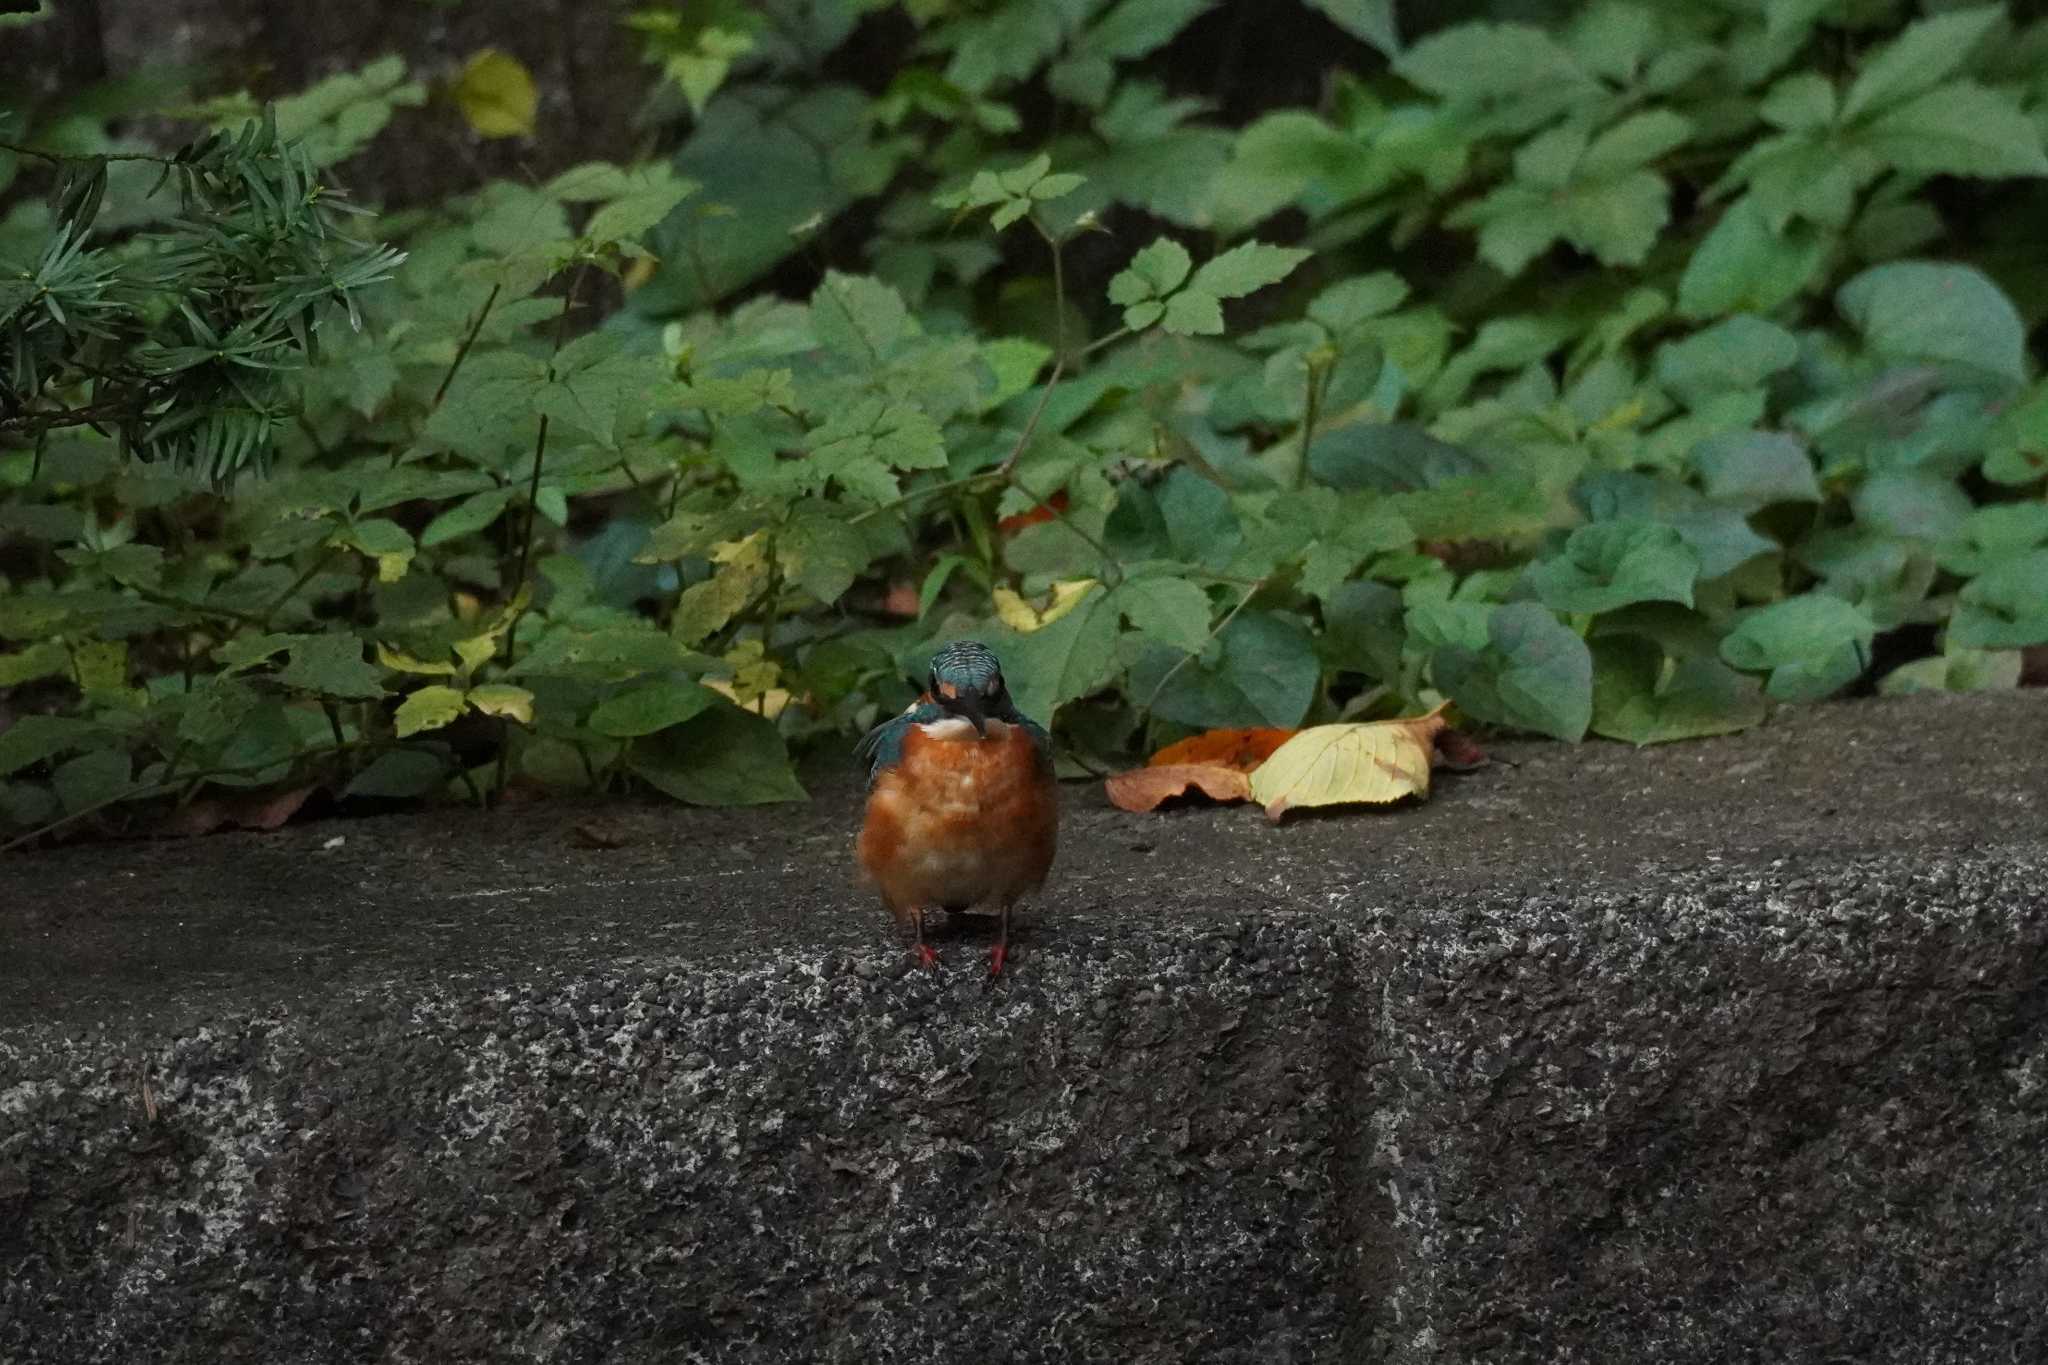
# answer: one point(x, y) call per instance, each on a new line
point(962, 810)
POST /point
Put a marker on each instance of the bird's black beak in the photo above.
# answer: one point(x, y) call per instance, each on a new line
point(970, 707)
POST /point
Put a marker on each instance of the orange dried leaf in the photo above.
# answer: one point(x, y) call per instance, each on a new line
point(1143, 789)
point(1044, 512)
point(1243, 750)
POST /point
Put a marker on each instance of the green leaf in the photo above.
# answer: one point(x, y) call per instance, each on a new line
point(1482, 62)
point(1913, 503)
point(2005, 607)
point(1811, 645)
point(723, 756)
point(94, 779)
point(1735, 354)
point(400, 774)
point(1755, 468)
point(45, 660)
point(333, 666)
point(429, 708)
point(653, 193)
point(1992, 534)
point(1642, 697)
point(1051, 666)
point(1920, 310)
point(1960, 129)
point(1154, 272)
point(1244, 269)
point(653, 706)
point(1193, 313)
point(1633, 143)
point(1533, 674)
point(1960, 670)
point(1923, 56)
point(467, 517)
point(1611, 564)
point(821, 551)
point(2017, 449)
point(860, 445)
point(1745, 265)
point(1262, 670)
point(1369, 20)
point(36, 737)
point(859, 317)
point(1172, 611)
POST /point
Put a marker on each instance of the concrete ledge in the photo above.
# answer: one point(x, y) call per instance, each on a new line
point(1736, 1050)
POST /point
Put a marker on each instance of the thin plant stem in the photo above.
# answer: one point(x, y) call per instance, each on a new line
point(462, 351)
point(1185, 659)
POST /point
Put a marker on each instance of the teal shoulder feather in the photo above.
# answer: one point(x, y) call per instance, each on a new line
point(882, 747)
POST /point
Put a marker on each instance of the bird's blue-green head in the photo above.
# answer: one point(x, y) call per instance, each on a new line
point(967, 681)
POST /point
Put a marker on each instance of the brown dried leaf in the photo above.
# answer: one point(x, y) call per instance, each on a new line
point(1143, 789)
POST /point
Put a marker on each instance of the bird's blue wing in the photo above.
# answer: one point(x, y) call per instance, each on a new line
point(882, 747)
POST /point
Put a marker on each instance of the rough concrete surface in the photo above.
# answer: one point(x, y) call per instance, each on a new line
point(1727, 1051)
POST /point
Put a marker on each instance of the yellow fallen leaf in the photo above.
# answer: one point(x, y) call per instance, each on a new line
point(1019, 615)
point(1329, 765)
point(496, 94)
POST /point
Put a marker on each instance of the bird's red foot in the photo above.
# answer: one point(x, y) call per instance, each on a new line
point(926, 957)
point(996, 958)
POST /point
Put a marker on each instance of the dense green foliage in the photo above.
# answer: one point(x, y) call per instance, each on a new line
point(1614, 376)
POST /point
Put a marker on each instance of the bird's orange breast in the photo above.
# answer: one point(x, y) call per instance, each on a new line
point(961, 820)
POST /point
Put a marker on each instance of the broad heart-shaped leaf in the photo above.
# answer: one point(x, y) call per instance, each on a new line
point(1920, 310)
point(1068, 658)
point(429, 708)
point(93, 779)
point(1993, 534)
point(1736, 354)
point(1720, 535)
point(1642, 697)
point(1755, 468)
point(722, 757)
point(2006, 607)
point(401, 774)
point(1172, 611)
point(1262, 670)
point(1912, 503)
point(333, 666)
point(1811, 645)
point(1373, 763)
point(1533, 674)
point(649, 707)
point(33, 738)
point(1611, 564)
point(507, 700)
point(1960, 670)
